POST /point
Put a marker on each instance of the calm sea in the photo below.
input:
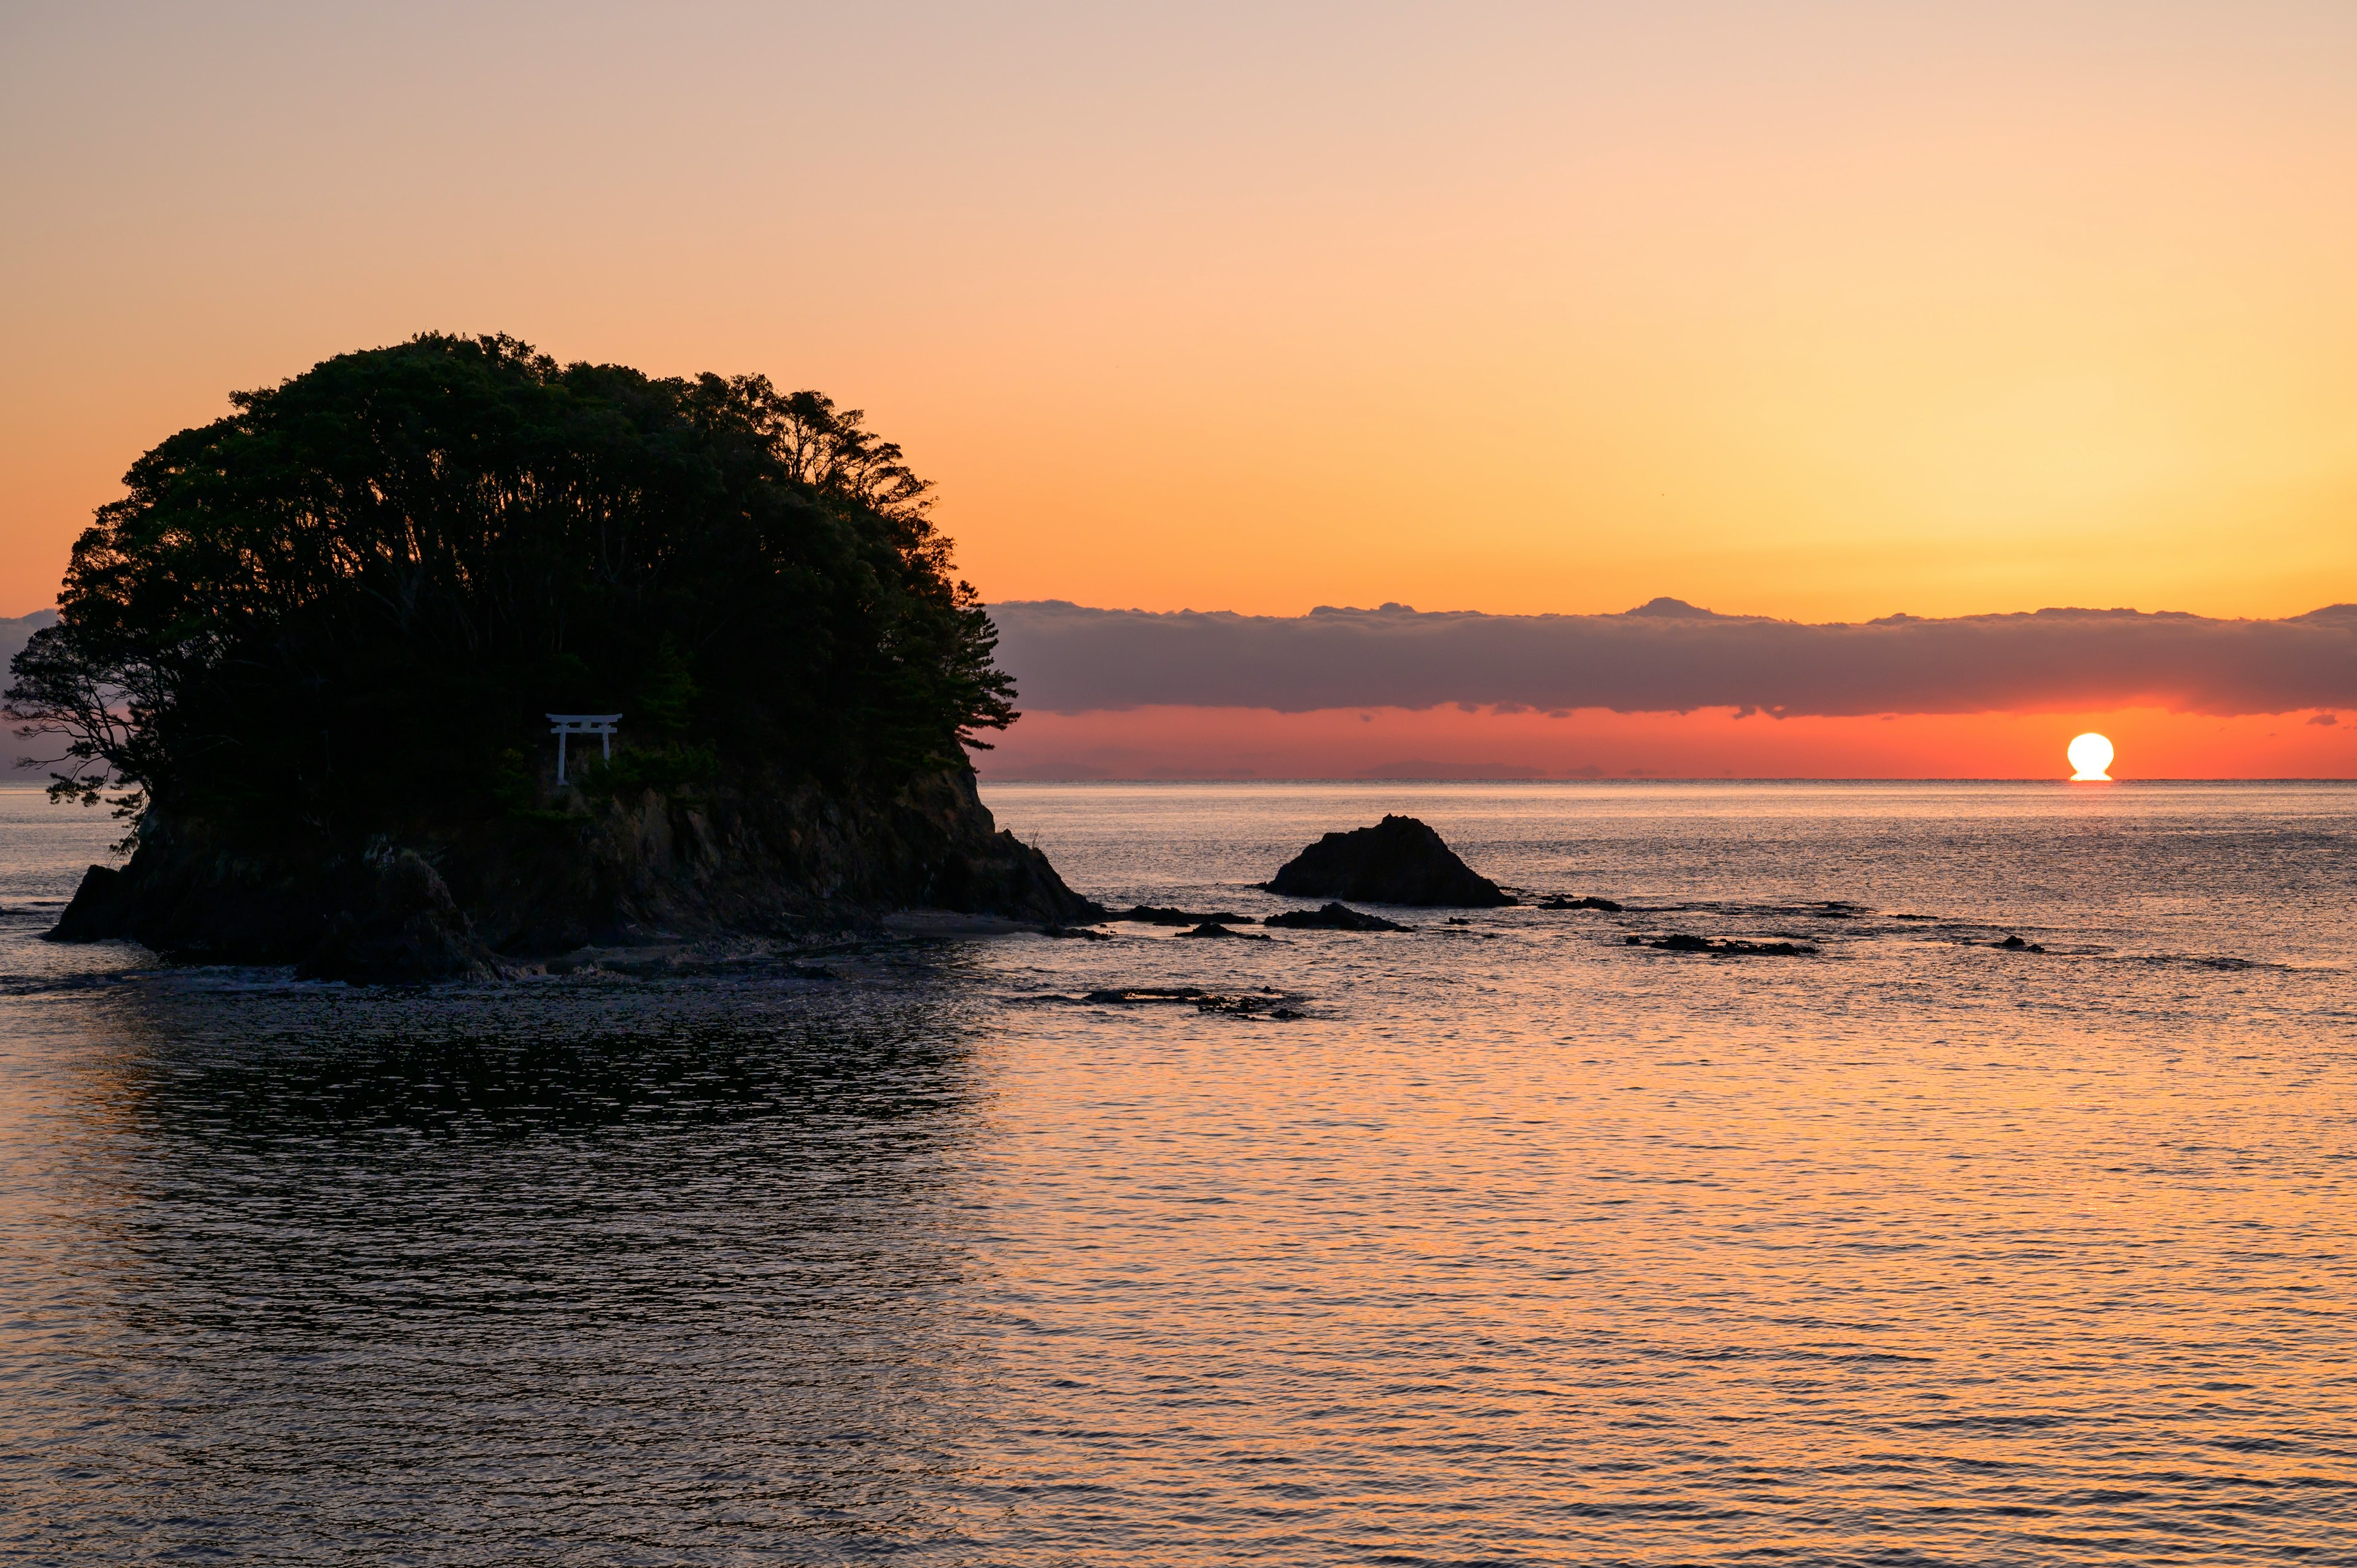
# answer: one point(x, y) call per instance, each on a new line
point(1518, 1244)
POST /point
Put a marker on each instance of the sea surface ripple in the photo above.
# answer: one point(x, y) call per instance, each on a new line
point(1510, 1243)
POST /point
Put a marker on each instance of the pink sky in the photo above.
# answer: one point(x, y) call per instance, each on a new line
point(1446, 742)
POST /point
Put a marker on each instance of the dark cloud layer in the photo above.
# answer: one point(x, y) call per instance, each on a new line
point(1667, 656)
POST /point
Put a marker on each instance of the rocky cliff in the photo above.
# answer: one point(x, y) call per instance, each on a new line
point(469, 901)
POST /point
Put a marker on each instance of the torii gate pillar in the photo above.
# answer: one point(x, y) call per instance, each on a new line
point(599, 724)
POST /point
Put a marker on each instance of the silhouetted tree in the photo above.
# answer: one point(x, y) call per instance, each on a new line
point(351, 600)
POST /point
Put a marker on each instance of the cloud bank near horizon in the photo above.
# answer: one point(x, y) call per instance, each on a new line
point(1670, 657)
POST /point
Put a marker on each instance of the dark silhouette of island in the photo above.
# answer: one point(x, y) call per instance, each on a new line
point(1397, 861)
point(310, 655)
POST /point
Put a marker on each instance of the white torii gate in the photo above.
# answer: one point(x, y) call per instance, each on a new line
point(599, 724)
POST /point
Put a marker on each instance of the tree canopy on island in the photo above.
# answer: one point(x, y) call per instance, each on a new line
point(352, 600)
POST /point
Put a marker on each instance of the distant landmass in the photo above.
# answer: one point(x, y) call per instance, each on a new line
point(14, 632)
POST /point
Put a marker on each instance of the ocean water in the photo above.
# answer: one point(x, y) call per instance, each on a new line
point(1511, 1243)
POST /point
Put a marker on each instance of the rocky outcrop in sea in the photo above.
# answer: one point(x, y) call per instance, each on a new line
point(1398, 861)
point(476, 899)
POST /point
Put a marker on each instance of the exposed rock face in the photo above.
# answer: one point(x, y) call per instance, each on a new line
point(438, 905)
point(1164, 914)
point(1213, 928)
point(1333, 918)
point(101, 909)
point(399, 923)
point(1397, 861)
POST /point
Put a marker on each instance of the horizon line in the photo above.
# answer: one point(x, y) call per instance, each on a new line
point(1687, 778)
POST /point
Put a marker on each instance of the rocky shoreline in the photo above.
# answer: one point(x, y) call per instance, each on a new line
point(485, 899)
point(660, 879)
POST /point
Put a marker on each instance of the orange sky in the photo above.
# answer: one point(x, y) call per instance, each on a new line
point(1815, 310)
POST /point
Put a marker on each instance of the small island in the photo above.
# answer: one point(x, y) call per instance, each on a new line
point(311, 658)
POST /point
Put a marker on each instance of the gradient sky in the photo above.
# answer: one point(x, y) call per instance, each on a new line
point(1814, 310)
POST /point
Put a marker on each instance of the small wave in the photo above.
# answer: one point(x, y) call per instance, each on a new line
point(233, 979)
point(21, 986)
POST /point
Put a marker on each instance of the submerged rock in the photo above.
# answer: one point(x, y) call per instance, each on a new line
point(1731, 947)
point(2015, 944)
point(1398, 861)
point(1213, 928)
point(1591, 902)
point(1164, 914)
point(1267, 1003)
point(1333, 918)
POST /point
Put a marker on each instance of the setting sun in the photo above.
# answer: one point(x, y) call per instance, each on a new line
point(2091, 755)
